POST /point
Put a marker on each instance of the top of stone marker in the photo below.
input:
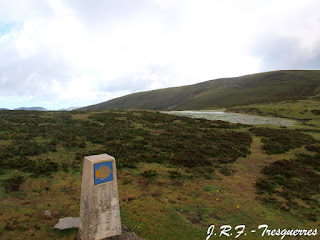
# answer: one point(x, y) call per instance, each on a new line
point(99, 158)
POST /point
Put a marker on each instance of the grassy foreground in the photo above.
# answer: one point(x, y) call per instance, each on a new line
point(177, 176)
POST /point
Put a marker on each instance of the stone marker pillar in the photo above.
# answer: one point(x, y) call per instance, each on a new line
point(99, 204)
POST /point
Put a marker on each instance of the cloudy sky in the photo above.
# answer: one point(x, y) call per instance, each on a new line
point(62, 53)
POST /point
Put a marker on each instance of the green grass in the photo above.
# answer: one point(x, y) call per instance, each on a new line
point(176, 175)
point(301, 110)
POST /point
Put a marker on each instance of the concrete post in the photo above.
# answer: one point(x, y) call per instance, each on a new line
point(99, 204)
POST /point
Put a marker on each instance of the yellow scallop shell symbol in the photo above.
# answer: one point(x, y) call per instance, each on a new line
point(103, 172)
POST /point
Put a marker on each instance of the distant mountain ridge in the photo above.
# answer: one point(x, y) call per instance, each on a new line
point(68, 109)
point(32, 109)
point(40, 109)
point(224, 92)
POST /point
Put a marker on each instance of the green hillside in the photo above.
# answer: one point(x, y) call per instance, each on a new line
point(225, 92)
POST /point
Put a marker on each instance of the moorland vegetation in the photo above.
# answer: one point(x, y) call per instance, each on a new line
point(177, 175)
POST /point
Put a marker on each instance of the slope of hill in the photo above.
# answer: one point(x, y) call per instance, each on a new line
point(225, 92)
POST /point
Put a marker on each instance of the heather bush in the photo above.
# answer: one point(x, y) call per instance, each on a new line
point(13, 183)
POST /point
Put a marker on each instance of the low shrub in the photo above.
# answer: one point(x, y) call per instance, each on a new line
point(174, 174)
point(225, 170)
point(130, 136)
point(313, 148)
point(44, 167)
point(315, 111)
point(149, 174)
point(13, 183)
point(276, 141)
point(295, 181)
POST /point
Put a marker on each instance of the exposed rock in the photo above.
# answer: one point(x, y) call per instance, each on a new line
point(47, 213)
point(68, 222)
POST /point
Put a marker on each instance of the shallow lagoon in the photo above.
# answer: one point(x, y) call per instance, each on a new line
point(233, 117)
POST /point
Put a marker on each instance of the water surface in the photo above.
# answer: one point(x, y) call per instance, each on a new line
point(233, 117)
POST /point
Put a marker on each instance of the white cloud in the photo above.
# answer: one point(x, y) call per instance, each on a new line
point(76, 52)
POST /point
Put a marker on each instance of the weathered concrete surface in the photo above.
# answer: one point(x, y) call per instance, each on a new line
point(67, 222)
point(99, 204)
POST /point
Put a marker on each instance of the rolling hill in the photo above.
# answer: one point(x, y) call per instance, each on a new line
point(224, 92)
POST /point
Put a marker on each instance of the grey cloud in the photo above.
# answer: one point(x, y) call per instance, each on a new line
point(102, 11)
point(108, 12)
point(138, 82)
point(32, 76)
point(285, 53)
point(126, 83)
